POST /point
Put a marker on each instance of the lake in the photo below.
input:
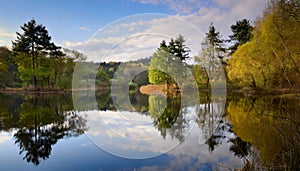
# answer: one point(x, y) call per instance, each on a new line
point(156, 132)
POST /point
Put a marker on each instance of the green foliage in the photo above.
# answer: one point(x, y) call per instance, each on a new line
point(101, 77)
point(158, 64)
point(8, 68)
point(167, 115)
point(167, 60)
point(37, 57)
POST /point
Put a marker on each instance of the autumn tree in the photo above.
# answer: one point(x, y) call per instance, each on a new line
point(271, 58)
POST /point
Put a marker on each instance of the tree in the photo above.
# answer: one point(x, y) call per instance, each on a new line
point(211, 57)
point(34, 42)
point(159, 67)
point(102, 78)
point(271, 57)
point(8, 68)
point(178, 48)
point(242, 33)
point(169, 58)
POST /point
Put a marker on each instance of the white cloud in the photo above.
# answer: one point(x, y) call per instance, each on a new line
point(139, 36)
point(6, 37)
point(85, 28)
point(4, 33)
point(136, 39)
point(147, 1)
point(179, 6)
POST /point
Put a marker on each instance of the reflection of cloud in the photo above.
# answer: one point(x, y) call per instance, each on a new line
point(191, 156)
point(127, 134)
point(6, 136)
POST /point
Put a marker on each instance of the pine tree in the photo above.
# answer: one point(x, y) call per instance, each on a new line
point(242, 33)
point(34, 42)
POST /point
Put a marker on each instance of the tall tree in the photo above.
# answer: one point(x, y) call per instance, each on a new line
point(242, 33)
point(212, 54)
point(33, 42)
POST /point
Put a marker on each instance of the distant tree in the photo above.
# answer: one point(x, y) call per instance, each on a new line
point(8, 68)
point(242, 33)
point(33, 43)
point(102, 77)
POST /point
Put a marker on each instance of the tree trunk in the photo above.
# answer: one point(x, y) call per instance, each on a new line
point(33, 79)
point(34, 82)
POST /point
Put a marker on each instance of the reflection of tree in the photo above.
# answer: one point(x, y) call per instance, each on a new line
point(210, 122)
point(43, 121)
point(168, 115)
point(270, 124)
point(217, 130)
point(239, 147)
point(104, 100)
point(9, 114)
point(139, 101)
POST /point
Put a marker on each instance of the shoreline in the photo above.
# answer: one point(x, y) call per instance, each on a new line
point(150, 88)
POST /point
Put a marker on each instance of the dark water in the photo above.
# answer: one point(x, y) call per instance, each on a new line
point(157, 132)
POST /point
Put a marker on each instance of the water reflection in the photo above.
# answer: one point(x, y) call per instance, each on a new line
point(272, 126)
point(258, 133)
point(40, 120)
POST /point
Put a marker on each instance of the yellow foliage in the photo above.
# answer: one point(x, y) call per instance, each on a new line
point(272, 57)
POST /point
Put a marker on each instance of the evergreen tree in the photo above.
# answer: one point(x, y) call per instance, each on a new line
point(242, 33)
point(34, 42)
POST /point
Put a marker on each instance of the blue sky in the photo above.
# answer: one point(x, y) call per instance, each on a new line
point(71, 20)
point(72, 23)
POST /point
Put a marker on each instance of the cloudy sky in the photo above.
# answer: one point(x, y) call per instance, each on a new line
point(124, 29)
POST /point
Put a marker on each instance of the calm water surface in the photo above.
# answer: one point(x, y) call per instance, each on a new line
point(157, 132)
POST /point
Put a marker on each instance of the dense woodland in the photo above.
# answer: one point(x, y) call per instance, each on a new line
point(264, 55)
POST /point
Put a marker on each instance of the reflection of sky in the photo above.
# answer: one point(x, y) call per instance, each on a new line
point(80, 153)
point(127, 134)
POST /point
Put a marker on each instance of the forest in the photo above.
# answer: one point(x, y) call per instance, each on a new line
point(264, 55)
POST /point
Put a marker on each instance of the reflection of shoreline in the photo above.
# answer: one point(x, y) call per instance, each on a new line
point(49, 91)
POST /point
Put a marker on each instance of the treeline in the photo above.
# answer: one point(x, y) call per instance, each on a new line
point(263, 56)
point(37, 64)
point(16, 70)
